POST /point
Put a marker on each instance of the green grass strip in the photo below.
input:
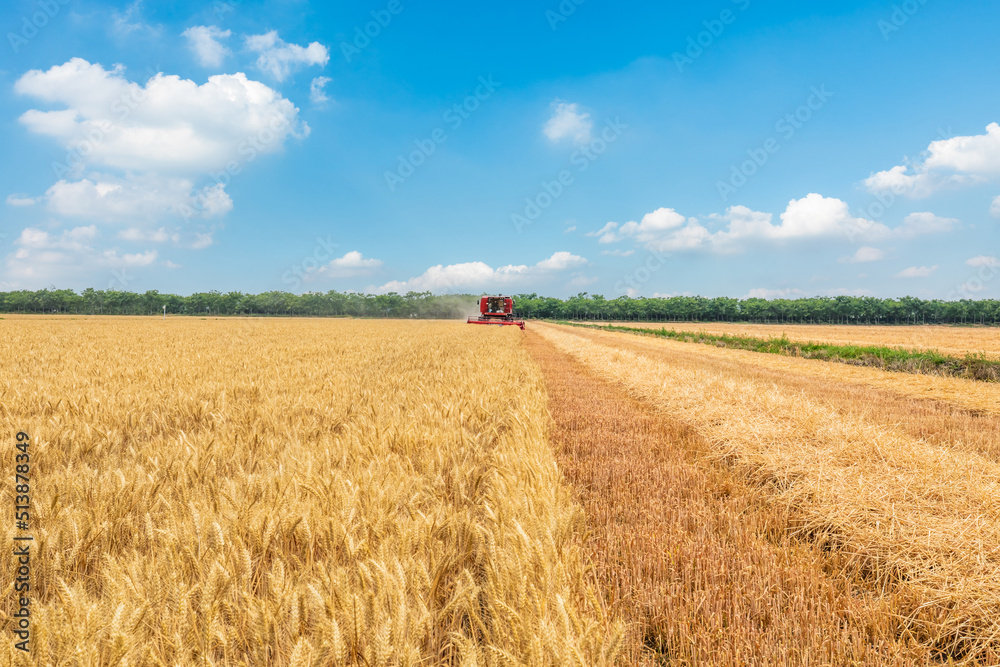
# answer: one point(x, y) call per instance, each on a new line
point(927, 362)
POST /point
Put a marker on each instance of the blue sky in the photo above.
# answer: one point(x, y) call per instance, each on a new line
point(736, 147)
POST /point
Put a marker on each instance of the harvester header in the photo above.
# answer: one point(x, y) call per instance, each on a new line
point(497, 310)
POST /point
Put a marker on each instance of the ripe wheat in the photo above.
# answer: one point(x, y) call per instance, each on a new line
point(281, 492)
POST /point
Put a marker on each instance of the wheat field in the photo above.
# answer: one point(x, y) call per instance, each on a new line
point(292, 492)
point(349, 492)
point(952, 341)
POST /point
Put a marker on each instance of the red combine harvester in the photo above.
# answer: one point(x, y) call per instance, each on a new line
point(497, 310)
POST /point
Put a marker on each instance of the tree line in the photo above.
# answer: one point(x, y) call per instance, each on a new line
point(583, 306)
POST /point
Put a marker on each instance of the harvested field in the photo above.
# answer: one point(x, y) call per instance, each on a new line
point(304, 492)
point(698, 559)
point(906, 518)
point(952, 341)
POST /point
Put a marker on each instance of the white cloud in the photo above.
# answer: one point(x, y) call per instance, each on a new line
point(317, 90)
point(280, 59)
point(136, 199)
point(160, 235)
point(161, 138)
point(769, 294)
point(20, 200)
point(570, 229)
point(918, 224)
point(561, 261)
point(74, 240)
point(995, 208)
point(898, 181)
point(42, 257)
point(352, 264)
point(171, 265)
point(812, 217)
point(618, 253)
point(568, 121)
point(112, 258)
point(203, 40)
point(864, 254)
point(169, 124)
point(984, 260)
point(948, 162)
point(917, 272)
point(479, 275)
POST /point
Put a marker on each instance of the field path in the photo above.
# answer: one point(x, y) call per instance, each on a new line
point(917, 518)
point(699, 561)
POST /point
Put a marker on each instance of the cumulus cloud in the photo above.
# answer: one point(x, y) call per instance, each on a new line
point(204, 41)
point(948, 162)
point(280, 59)
point(161, 235)
point(20, 200)
point(995, 208)
point(864, 254)
point(317, 90)
point(136, 198)
point(561, 261)
point(169, 124)
point(479, 275)
point(351, 265)
point(812, 217)
point(983, 260)
point(918, 224)
point(112, 258)
point(567, 121)
point(42, 257)
point(917, 272)
point(139, 154)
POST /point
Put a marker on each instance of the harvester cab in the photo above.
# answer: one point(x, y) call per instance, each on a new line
point(497, 310)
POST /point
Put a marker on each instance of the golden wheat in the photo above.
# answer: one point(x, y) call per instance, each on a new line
point(281, 492)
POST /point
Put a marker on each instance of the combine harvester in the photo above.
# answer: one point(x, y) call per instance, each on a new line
point(497, 310)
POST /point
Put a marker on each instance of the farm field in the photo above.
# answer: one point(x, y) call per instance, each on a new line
point(303, 492)
point(366, 492)
point(894, 484)
point(953, 341)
